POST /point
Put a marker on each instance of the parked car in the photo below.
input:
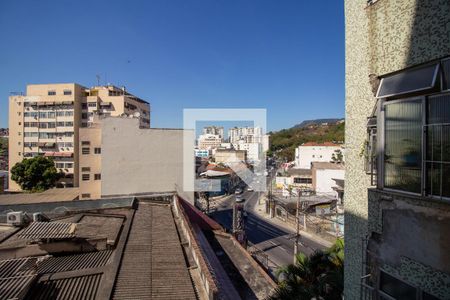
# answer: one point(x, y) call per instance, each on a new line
point(250, 189)
point(238, 191)
point(240, 200)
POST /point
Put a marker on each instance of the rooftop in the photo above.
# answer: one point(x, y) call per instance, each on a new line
point(51, 195)
point(325, 144)
point(295, 171)
point(328, 165)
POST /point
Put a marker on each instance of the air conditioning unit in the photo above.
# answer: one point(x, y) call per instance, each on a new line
point(17, 218)
point(40, 217)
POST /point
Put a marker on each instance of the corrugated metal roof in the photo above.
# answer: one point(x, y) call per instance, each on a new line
point(81, 287)
point(17, 267)
point(48, 230)
point(15, 287)
point(153, 265)
point(74, 262)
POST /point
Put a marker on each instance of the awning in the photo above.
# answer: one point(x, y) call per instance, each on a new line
point(58, 154)
point(408, 81)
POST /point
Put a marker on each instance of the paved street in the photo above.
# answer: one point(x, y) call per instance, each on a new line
point(265, 235)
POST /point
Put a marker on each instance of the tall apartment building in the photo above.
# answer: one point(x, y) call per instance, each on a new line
point(245, 134)
point(254, 150)
point(397, 182)
point(215, 130)
point(46, 121)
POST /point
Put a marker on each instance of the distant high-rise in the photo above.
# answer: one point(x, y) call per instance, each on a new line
point(46, 121)
point(215, 130)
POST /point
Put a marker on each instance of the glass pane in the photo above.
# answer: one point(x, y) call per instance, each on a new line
point(446, 73)
point(403, 145)
point(408, 81)
point(439, 109)
point(396, 288)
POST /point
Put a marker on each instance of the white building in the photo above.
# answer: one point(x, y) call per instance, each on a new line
point(213, 130)
point(209, 141)
point(316, 152)
point(245, 134)
point(254, 150)
point(324, 176)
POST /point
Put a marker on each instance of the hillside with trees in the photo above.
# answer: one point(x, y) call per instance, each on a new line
point(284, 142)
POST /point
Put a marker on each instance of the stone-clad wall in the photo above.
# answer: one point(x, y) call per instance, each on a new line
point(403, 33)
point(359, 104)
point(386, 36)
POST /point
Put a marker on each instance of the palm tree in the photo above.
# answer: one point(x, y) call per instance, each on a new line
point(319, 276)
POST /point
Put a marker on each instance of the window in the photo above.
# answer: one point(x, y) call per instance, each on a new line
point(97, 176)
point(302, 180)
point(60, 124)
point(85, 151)
point(85, 177)
point(393, 287)
point(59, 165)
point(85, 169)
point(51, 114)
point(437, 160)
point(51, 125)
point(42, 115)
point(69, 144)
point(85, 143)
point(84, 105)
point(68, 134)
point(85, 195)
point(51, 93)
point(84, 115)
point(92, 104)
point(60, 114)
point(69, 113)
point(403, 147)
point(69, 124)
point(43, 125)
point(30, 134)
point(416, 135)
point(409, 81)
point(97, 150)
point(67, 92)
point(26, 124)
point(69, 165)
point(84, 125)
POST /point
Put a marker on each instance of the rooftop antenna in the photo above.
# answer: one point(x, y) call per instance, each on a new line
point(98, 79)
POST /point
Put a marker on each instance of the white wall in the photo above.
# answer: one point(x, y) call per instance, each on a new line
point(254, 150)
point(141, 160)
point(305, 155)
point(324, 180)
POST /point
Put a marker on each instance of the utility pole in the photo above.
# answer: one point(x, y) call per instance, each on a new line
point(297, 221)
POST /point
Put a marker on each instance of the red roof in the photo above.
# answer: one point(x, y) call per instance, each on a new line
point(328, 144)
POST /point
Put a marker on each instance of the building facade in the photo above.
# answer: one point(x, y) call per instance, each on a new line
point(46, 121)
point(254, 150)
point(324, 175)
point(119, 157)
point(215, 130)
point(209, 141)
point(311, 152)
point(227, 156)
point(245, 134)
point(397, 213)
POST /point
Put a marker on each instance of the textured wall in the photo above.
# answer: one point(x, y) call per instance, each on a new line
point(359, 104)
point(384, 37)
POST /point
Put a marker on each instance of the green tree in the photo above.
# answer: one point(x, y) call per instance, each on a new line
point(36, 174)
point(319, 276)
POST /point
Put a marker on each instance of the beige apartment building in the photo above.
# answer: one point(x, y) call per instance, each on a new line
point(117, 157)
point(230, 156)
point(47, 118)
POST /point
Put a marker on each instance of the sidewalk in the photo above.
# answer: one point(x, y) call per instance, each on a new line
point(260, 208)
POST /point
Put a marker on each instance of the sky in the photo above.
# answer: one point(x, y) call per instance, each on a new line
point(284, 56)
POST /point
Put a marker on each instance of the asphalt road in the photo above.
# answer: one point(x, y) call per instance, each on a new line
point(267, 236)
